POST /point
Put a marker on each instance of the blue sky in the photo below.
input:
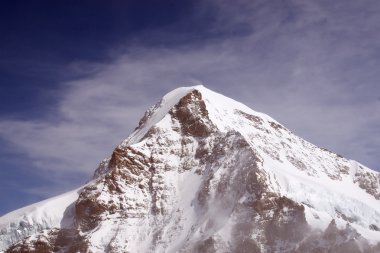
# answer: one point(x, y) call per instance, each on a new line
point(76, 76)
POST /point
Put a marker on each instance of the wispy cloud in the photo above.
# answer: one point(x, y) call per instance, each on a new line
point(312, 65)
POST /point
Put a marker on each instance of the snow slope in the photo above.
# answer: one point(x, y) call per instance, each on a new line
point(37, 217)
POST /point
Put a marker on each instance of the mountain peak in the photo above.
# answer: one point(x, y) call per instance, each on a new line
point(205, 173)
point(221, 110)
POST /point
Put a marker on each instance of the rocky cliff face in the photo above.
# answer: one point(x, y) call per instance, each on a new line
point(204, 173)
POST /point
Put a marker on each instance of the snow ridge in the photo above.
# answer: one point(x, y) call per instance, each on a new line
point(37, 217)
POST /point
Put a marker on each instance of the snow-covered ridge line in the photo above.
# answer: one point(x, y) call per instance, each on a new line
point(34, 218)
point(159, 111)
point(217, 104)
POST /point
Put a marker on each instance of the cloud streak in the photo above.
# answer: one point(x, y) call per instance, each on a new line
point(311, 65)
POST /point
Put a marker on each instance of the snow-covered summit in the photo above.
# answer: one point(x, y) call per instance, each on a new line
point(205, 173)
point(221, 110)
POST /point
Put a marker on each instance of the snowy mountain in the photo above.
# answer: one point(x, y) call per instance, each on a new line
point(204, 173)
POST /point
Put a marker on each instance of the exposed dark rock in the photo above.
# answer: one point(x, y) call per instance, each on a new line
point(369, 182)
point(374, 227)
point(192, 114)
point(63, 240)
point(255, 119)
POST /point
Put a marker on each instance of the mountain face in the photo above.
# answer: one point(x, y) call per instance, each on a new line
point(204, 173)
